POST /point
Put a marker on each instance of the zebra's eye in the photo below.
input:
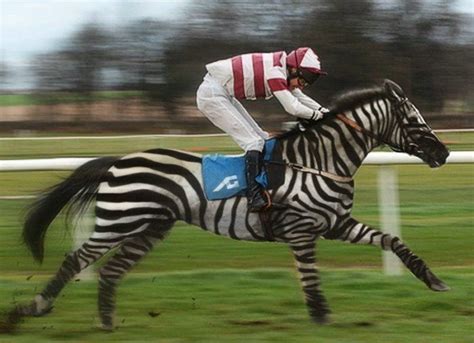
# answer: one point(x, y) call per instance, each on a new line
point(412, 120)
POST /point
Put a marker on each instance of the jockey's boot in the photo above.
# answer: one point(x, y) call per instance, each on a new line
point(253, 165)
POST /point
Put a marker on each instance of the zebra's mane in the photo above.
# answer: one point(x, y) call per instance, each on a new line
point(354, 98)
point(341, 103)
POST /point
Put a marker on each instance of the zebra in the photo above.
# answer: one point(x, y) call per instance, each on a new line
point(138, 198)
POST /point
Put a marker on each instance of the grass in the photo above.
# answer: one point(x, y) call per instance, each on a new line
point(255, 306)
point(13, 149)
point(200, 287)
point(24, 149)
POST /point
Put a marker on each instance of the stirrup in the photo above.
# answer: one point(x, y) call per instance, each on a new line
point(268, 202)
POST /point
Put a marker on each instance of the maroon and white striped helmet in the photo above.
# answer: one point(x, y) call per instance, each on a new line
point(306, 60)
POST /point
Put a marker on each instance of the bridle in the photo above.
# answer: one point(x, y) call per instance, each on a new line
point(380, 139)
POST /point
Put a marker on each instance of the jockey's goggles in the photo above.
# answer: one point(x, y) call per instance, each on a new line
point(308, 76)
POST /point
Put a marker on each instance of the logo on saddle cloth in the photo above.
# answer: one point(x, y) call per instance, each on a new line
point(224, 175)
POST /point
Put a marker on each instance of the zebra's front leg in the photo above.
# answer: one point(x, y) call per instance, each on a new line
point(359, 233)
point(132, 251)
point(304, 254)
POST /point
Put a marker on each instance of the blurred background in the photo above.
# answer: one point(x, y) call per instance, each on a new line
point(84, 78)
point(121, 65)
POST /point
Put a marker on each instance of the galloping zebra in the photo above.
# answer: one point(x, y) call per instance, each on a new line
point(140, 196)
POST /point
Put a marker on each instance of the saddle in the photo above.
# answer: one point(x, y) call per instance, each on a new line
point(224, 175)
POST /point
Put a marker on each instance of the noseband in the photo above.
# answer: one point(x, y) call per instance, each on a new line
point(399, 116)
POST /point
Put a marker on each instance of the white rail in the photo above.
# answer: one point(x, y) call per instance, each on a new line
point(377, 158)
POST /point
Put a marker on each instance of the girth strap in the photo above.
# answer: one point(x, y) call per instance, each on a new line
point(304, 169)
point(266, 224)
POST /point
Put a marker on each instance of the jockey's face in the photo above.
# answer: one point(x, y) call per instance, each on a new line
point(296, 81)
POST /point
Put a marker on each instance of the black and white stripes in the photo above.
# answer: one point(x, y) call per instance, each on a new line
point(140, 196)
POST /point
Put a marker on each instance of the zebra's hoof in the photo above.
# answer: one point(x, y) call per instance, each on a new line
point(321, 320)
point(440, 287)
point(106, 327)
point(43, 312)
point(435, 284)
point(40, 306)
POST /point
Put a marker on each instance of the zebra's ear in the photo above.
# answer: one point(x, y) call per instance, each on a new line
point(394, 91)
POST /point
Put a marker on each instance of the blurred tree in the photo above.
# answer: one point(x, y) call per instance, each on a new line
point(90, 52)
point(422, 39)
point(427, 47)
point(139, 49)
point(79, 65)
point(215, 30)
point(343, 34)
point(54, 71)
point(4, 75)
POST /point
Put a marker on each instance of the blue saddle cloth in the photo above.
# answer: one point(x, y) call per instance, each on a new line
point(224, 175)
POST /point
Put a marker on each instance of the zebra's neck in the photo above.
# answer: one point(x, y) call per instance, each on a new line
point(333, 146)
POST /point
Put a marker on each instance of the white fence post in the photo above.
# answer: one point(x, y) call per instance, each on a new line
point(389, 215)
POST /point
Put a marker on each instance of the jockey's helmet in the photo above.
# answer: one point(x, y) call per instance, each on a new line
point(306, 63)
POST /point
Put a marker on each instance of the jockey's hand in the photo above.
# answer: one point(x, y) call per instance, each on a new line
point(317, 114)
point(324, 110)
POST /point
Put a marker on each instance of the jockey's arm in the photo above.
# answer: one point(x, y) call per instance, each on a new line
point(294, 106)
point(306, 100)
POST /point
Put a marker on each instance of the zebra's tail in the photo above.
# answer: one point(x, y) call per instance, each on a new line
point(77, 190)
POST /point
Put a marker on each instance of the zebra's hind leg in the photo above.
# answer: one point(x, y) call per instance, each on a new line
point(304, 254)
point(87, 254)
point(359, 233)
point(132, 250)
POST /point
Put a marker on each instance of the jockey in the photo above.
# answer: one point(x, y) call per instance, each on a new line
point(252, 76)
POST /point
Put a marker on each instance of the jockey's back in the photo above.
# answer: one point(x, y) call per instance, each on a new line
point(251, 76)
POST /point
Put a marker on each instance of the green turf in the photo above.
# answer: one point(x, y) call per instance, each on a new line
point(23, 149)
point(255, 306)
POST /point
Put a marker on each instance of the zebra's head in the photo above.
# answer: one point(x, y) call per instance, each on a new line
point(411, 134)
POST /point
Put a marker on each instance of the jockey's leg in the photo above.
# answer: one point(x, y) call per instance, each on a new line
point(253, 165)
point(220, 108)
point(227, 113)
point(248, 118)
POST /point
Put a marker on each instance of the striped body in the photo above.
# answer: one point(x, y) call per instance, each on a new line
point(158, 187)
point(140, 196)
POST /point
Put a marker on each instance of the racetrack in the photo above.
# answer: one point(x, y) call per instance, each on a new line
point(197, 287)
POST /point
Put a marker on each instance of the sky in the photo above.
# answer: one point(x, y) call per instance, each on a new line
point(34, 26)
point(30, 27)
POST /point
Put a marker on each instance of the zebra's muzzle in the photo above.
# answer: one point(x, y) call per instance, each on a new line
point(431, 150)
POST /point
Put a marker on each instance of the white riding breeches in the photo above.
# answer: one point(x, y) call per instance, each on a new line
point(228, 114)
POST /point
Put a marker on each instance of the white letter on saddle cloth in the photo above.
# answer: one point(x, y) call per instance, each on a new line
point(229, 182)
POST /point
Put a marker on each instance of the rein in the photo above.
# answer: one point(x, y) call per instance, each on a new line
point(303, 169)
point(353, 124)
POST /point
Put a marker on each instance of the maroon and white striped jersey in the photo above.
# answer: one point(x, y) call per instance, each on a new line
point(252, 76)
point(262, 75)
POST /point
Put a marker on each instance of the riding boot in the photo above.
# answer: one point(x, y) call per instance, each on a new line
point(253, 164)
